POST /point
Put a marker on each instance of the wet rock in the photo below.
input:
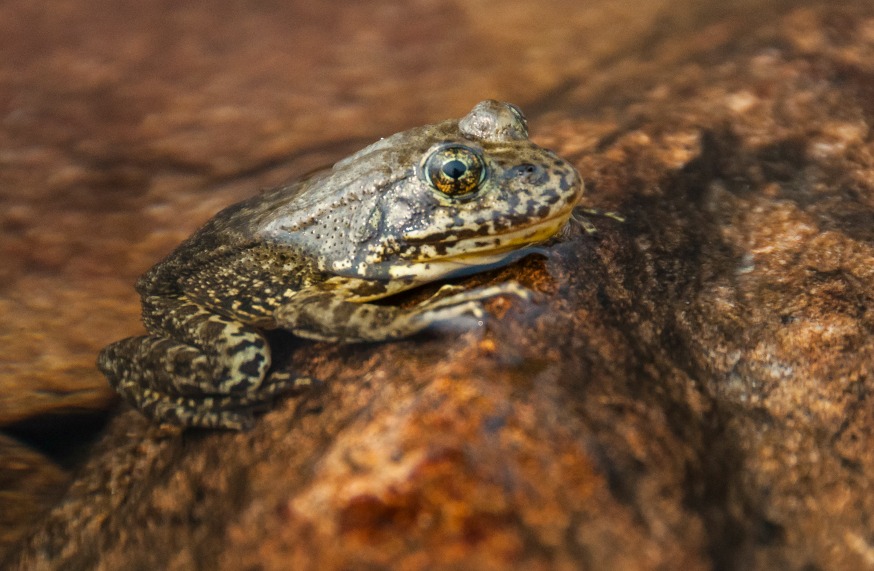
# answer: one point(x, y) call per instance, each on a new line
point(688, 392)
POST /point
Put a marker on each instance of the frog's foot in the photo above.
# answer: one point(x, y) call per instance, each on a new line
point(177, 383)
point(580, 216)
point(507, 288)
point(230, 412)
point(325, 316)
point(457, 312)
point(204, 412)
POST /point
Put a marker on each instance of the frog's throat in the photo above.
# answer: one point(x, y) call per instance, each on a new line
point(471, 258)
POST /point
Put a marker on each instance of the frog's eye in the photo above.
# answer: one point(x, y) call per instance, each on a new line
point(454, 170)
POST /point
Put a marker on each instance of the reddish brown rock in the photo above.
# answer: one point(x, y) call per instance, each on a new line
point(689, 392)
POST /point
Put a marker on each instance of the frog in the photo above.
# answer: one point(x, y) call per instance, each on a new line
point(323, 257)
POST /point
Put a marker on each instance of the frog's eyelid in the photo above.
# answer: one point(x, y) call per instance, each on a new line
point(448, 144)
point(453, 143)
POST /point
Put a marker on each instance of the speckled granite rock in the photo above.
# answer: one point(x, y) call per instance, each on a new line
point(690, 392)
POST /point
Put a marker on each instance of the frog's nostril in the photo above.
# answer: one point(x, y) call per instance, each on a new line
point(532, 173)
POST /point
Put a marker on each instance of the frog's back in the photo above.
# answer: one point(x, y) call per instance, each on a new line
point(230, 238)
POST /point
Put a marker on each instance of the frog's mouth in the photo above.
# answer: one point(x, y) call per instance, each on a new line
point(508, 242)
point(476, 253)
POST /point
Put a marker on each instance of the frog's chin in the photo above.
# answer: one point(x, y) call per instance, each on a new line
point(472, 258)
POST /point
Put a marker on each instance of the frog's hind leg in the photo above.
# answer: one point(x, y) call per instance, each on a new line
point(195, 369)
point(172, 382)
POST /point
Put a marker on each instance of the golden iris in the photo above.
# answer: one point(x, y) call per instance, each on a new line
point(455, 170)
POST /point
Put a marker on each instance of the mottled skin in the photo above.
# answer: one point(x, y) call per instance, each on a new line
point(424, 204)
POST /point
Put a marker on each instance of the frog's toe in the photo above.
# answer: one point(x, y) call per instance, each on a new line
point(227, 420)
point(458, 317)
point(286, 382)
point(188, 412)
point(581, 216)
point(510, 288)
point(457, 324)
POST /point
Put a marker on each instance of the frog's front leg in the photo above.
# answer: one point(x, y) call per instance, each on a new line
point(195, 368)
point(336, 316)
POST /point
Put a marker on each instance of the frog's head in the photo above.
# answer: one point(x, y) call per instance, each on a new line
point(478, 191)
point(442, 199)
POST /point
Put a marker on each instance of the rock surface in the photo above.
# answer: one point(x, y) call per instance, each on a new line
point(691, 390)
point(30, 484)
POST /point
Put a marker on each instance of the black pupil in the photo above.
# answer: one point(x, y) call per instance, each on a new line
point(454, 169)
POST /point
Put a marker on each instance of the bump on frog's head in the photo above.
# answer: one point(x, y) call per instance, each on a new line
point(494, 121)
